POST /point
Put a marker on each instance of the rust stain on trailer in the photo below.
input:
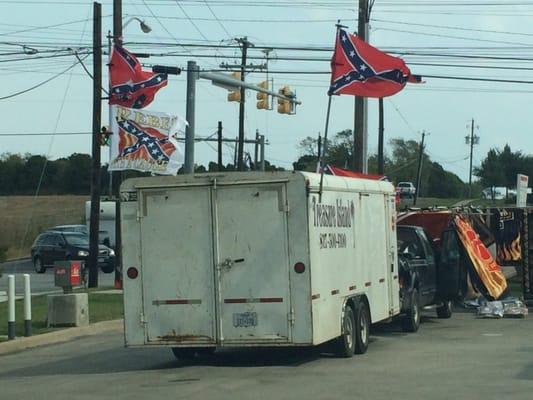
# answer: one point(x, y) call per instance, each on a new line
point(173, 337)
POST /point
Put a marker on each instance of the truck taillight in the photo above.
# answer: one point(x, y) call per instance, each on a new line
point(132, 273)
point(299, 267)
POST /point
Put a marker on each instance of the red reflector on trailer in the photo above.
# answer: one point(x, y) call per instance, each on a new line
point(132, 273)
point(299, 267)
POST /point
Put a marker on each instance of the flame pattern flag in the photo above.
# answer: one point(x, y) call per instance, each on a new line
point(488, 271)
point(143, 141)
point(362, 70)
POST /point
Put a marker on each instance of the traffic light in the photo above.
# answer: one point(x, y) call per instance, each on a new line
point(285, 106)
point(263, 103)
point(235, 94)
point(105, 135)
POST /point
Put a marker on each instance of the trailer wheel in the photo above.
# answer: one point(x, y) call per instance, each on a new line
point(445, 310)
point(362, 328)
point(345, 343)
point(184, 353)
point(411, 321)
point(188, 353)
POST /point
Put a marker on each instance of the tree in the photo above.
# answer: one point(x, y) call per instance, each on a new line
point(500, 167)
point(400, 166)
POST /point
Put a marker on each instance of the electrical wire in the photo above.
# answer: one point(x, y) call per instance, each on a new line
point(218, 20)
point(42, 83)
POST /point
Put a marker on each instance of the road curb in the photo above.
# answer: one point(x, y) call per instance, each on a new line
point(63, 335)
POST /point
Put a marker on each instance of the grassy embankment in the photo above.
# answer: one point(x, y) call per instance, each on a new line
point(22, 218)
point(102, 307)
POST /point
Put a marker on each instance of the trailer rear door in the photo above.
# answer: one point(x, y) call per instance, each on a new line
point(177, 265)
point(252, 263)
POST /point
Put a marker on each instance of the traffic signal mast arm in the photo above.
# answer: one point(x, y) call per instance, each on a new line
point(230, 83)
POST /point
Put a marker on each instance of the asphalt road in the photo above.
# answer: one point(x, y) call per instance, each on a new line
point(460, 358)
point(40, 283)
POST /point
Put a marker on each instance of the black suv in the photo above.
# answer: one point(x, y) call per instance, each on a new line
point(51, 246)
point(424, 279)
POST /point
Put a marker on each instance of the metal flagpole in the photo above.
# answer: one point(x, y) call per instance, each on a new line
point(325, 143)
point(324, 149)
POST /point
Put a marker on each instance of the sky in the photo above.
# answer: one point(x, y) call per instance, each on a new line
point(444, 38)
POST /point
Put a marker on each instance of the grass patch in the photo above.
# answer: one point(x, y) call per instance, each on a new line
point(102, 307)
point(23, 217)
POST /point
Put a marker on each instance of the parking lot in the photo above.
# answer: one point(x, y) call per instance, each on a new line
point(460, 358)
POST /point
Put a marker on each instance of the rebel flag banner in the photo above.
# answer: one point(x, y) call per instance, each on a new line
point(359, 69)
point(487, 270)
point(130, 86)
point(143, 141)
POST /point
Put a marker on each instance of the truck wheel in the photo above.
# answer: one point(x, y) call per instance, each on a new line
point(411, 321)
point(38, 265)
point(362, 328)
point(345, 343)
point(108, 269)
point(445, 310)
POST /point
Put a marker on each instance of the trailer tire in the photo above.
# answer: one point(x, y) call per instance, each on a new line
point(184, 353)
point(362, 328)
point(189, 353)
point(411, 321)
point(445, 310)
point(345, 343)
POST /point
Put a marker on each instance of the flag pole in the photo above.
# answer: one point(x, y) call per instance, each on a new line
point(325, 142)
point(381, 128)
point(324, 149)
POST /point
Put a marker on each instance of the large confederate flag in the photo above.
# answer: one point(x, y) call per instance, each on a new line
point(362, 70)
point(131, 86)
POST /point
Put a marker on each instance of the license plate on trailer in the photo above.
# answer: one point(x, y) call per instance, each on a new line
point(244, 320)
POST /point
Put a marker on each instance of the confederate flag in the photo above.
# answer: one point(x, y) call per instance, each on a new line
point(131, 86)
point(362, 70)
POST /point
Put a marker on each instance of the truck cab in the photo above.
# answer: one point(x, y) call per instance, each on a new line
point(420, 268)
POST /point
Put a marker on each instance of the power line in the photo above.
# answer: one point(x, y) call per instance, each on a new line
point(42, 83)
point(218, 20)
point(45, 134)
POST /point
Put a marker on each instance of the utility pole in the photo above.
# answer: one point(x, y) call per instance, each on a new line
point(472, 140)
point(117, 39)
point(219, 140)
point(192, 76)
point(256, 149)
point(360, 133)
point(97, 124)
point(262, 144)
point(245, 44)
point(381, 129)
point(419, 169)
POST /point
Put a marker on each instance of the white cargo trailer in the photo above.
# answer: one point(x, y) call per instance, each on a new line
point(106, 233)
point(257, 259)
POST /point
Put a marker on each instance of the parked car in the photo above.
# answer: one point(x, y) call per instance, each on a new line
point(51, 246)
point(103, 236)
point(70, 228)
point(418, 265)
point(406, 189)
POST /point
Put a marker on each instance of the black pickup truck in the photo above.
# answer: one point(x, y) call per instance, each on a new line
point(421, 277)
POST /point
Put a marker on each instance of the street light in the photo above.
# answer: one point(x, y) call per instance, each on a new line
point(144, 27)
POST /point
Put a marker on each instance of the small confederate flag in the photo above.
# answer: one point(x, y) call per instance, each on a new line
point(131, 86)
point(362, 70)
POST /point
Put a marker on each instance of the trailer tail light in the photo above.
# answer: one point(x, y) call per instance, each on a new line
point(299, 267)
point(401, 281)
point(132, 272)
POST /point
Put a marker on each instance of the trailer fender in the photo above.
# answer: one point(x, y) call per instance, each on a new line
point(353, 301)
